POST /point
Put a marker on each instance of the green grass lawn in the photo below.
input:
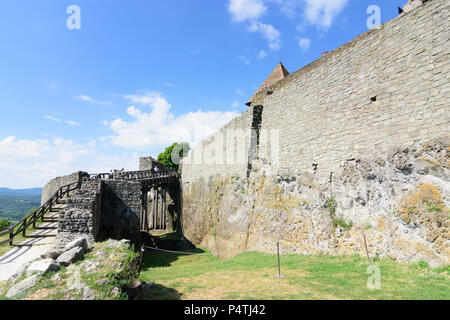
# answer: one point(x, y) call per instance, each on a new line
point(251, 276)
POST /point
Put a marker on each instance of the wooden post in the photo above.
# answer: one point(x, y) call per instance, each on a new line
point(140, 257)
point(163, 207)
point(11, 238)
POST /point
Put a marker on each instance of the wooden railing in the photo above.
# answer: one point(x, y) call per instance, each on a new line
point(147, 175)
point(34, 217)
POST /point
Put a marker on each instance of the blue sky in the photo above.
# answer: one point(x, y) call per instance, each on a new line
point(141, 74)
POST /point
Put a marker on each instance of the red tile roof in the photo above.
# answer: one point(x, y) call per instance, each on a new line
point(279, 73)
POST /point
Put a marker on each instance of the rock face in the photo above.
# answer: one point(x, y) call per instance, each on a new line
point(43, 266)
point(22, 286)
point(399, 200)
point(79, 242)
point(111, 264)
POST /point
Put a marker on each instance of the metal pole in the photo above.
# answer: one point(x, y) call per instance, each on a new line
point(365, 244)
point(278, 254)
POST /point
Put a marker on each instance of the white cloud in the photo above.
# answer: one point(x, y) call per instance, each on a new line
point(32, 163)
point(242, 10)
point(268, 32)
point(244, 59)
point(52, 118)
point(240, 92)
point(91, 100)
point(323, 12)
point(252, 10)
point(304, 44)
point(262, 54)
point(69, 122)
point(159, 127)
point(290, 8)
point(73, 123)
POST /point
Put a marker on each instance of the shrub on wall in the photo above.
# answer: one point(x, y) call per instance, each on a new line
point(173, 154)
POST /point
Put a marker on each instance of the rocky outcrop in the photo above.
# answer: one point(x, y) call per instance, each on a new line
point(108, 271)
point(70, 256)
point(43, 266)
point(21, 287)
point(398, 200)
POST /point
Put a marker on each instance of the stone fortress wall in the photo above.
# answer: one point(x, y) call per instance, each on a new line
point(328, 115)
point(355, 143)
point(53, 185)
point(325, 113)
point(213, 156)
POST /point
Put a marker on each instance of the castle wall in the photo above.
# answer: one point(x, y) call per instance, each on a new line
point(148, 163)
point(325, 111)
point(121, 206)
point(82, 214)
point(101, 210)
point(324, 114)
point(214, 156)
point(53, 185)
point(344, 144)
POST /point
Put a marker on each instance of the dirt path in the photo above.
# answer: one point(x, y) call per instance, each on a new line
point(27, 250)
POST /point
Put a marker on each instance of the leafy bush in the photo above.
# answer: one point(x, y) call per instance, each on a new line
point(331, 204)
point(4, 223)
point(171, 156)
point(341, 222)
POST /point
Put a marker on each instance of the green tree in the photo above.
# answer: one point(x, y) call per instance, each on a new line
point(173, 154)
point(4, 223)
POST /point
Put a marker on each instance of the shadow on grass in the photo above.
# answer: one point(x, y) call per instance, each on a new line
point(159, 292)
point(155, 258)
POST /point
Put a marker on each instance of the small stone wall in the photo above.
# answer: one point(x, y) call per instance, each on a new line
point(101, 210)
point(148, 163)
point(121, 203)
point(81, 217)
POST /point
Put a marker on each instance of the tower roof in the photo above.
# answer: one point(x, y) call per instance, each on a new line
point(279, 73)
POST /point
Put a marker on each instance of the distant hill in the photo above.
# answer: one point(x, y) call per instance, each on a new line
point(21, 192)
point(15, 203)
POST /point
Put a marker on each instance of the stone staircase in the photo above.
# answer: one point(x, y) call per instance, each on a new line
point(53, 215)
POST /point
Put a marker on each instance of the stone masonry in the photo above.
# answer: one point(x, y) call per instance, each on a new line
point(357, 142)
point(387, 87)
point(101, 210)
point(53, 185)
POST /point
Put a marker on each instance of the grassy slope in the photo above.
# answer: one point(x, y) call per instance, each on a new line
point(251, 276)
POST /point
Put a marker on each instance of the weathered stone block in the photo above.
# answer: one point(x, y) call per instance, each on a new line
point(71, 256)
